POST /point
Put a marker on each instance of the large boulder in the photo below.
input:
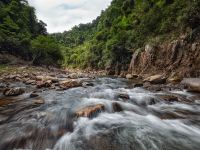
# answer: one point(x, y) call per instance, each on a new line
point(13, 91)
point(192, 84)
point(90, 111)
point(156, 79)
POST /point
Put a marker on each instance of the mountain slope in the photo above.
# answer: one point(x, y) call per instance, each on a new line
point(125, 27)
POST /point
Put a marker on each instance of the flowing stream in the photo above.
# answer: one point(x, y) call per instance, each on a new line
point(146, 123)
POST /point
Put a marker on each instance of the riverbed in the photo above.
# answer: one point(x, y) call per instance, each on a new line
point(144, 121)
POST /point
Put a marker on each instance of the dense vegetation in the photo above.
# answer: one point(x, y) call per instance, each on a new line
point(126, 26)
point(21, 33)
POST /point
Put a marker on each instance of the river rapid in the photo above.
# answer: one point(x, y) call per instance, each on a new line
point(146, 121)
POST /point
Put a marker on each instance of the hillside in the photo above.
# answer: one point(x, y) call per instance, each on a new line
point(125, 28)
point(23, 35)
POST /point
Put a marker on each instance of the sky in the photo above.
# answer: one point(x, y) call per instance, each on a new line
point(62, 15)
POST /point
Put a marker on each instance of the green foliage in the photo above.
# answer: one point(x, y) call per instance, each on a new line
point(46, 51)
point(18, 26)
point(126, 25)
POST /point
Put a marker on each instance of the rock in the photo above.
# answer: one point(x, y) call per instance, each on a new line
point(41, 84)
point(90, 111)
point(192, 84)
point(123, 96)
point(87, 84)
point(30, 82)
point(38, 101)
point(156, 79)
point(174, 79)
point(138, 85)
point(13, 91)
point(129, 76)
point(116, 107)
point(32, 95)
point(39, 78)
point(70, 84)
point(26, 75)
point(168, 98)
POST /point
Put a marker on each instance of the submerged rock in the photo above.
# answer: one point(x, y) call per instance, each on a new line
point(90, 111)
point(116, 107)
point(168, 98)
point(38, 101)
point(123, 96)
point(32, 95)
point(13, 91)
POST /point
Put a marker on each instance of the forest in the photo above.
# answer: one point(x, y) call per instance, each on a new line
point(126, 26)
point(109, 40)
point(22, 34)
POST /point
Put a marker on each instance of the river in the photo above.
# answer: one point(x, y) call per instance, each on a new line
point(146, 122)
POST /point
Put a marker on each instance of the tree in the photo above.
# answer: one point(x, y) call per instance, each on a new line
point(46, 51)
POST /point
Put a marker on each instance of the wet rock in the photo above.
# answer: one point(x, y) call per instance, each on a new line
point(70, 84)
point(138, 85)
point(32, 95)
point(116, 107)
point(13, 91)
point(87, 84)
point(192, 84)
point(90, 111)
point(38, 101)
point(156, 79)
point(169, 98)
point(123, 96)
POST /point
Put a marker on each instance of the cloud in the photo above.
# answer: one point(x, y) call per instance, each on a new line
point(61, 15)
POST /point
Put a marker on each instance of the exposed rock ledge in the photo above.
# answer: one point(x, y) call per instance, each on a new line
point(180, 57)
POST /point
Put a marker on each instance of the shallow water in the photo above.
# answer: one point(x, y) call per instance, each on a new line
point(146, 123)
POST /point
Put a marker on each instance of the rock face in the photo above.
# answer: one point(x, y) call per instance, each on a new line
point(90, 111)
point(180, 57)
point(156, 79)
point(192, 84)
point(13, 91)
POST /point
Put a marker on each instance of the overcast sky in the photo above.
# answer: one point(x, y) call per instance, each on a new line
point(61, 15)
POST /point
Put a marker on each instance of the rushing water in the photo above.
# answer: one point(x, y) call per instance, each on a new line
point(146, 122)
